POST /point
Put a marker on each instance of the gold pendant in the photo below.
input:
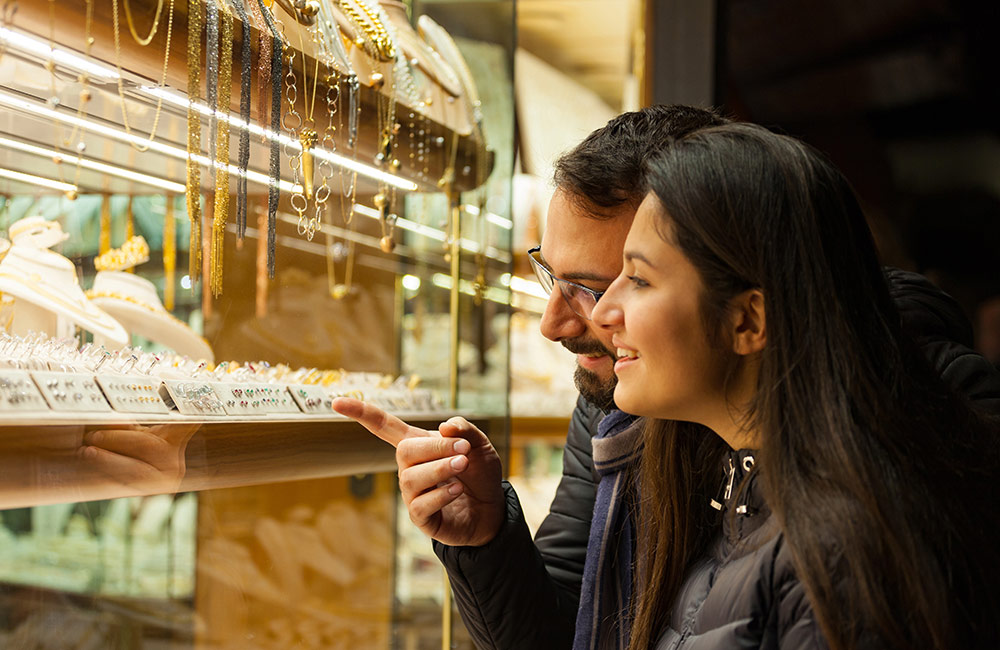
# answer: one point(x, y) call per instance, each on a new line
point(307, 138)
point(387, 244)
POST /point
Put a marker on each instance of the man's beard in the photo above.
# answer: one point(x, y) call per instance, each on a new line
point(597, 391)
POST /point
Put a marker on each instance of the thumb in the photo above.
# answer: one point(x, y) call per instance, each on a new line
point(459, 427)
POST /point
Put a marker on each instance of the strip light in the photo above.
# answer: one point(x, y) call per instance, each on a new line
point(433, 233)
point(495, 219)
point(181, 101)
point(67, 58)
point(111, 170)
point(36, 180)
point(40, 110)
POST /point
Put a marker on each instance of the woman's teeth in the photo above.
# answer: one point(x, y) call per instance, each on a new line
point(629, 354)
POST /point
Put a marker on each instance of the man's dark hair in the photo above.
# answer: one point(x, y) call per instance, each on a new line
point(606, 169)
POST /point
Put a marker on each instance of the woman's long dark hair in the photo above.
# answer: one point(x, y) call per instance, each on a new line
point(882, 479)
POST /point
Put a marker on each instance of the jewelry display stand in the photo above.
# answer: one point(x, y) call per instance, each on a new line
point(44, 284)
point(203, 498)
point(133, 301)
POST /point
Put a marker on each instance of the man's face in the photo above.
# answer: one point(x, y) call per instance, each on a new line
point(588, 251)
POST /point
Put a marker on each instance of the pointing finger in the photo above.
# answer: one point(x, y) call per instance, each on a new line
point(385, 426)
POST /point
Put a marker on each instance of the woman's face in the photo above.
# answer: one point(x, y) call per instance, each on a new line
point(666, 366)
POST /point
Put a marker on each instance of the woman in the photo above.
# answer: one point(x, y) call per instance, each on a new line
point(753, 323)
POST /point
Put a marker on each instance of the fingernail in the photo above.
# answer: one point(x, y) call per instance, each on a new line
point(455, 489)
point(459, 462)
point(462, 446)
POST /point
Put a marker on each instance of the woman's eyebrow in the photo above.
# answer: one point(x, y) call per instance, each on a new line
point(631, 256)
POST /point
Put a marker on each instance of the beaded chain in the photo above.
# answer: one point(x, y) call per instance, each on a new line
point(221, 202)
point(273, 191)
point(246, 79)
point(193, 191)
point(212, 70)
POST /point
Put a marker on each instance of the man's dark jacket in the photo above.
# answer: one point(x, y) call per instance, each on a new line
point(516, 593)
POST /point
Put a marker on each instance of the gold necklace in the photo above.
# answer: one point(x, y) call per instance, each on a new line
point(152, 30)
point(169, 253)
point(163, 77)
point(221, 207)
point(76, 135)
point(193, 191)
point(376, 39)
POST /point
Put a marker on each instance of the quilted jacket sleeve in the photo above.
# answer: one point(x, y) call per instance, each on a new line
point(936, 323)
point(517, 593)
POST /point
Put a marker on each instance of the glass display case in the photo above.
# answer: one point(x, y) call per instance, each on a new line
point(218, 217)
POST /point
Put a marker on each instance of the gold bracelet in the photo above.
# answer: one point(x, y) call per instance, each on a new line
point(132, 253)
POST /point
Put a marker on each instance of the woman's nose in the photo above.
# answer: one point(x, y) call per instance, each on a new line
point(608, 312)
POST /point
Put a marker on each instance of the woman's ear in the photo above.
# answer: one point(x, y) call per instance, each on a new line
point(749, 322)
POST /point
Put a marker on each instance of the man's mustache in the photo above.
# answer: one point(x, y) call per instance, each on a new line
point(586, 346)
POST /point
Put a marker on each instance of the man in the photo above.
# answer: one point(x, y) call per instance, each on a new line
point(512, 591)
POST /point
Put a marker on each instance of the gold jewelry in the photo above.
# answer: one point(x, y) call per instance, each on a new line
point(337, 290)
point(105, 241)
point(376, 39)
point(163, 77)
point(169, 253)
point(76, 135)
point(152, 30)
point(222, 154)
point(292, 122)
point(263, 64)
point(193, 190)
point(129, 226)
point(91, 294)
point(133, 252)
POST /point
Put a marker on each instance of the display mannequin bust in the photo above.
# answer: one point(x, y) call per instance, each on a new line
point(134, 302)
point(47, 295)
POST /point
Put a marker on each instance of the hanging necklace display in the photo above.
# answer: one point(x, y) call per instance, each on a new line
point(193, 190)
point(152, 30)
point(75, 139)
point(244, 151)
point(212, 70)
point(221, 202)
point(104, 244)
point(291, 121)
point(163, 76)
point(273, 191)
point(334, 42)
point(379, 45)
point(328, 141)
point(169, 253)
point(263, 64)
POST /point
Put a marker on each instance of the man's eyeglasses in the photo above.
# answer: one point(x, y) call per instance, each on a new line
point(580, 299)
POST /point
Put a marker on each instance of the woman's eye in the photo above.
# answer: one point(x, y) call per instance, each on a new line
point(637, 281)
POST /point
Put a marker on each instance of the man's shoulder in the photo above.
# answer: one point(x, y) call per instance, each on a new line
point(585, 419)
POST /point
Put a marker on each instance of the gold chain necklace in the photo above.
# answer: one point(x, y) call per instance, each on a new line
point(193, 191)
point(163, 77)
point(376, 39)
point(152, 30)
point(76, 135)
point(221, 208)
